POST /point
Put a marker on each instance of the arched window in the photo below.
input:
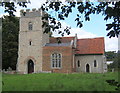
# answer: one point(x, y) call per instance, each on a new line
point(30, 26)
point(56, 60)
point(78, 63)
point(95, 63)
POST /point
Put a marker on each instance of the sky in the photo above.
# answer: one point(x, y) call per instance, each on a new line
point(94, 28)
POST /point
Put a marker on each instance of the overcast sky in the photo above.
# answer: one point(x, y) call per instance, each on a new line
point(94, 28)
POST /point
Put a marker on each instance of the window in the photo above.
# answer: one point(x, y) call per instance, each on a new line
point(30, 26)
point(78, 63)
point(95, 63)
point(56, 60)
point(30, 42)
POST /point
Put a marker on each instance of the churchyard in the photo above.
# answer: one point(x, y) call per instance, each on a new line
point(59, 82)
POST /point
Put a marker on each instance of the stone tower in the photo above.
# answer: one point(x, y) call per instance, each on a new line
point(31, 41)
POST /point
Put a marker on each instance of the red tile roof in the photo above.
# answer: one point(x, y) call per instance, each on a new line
point(90, 46)
point(85, 46)
point(63, 39)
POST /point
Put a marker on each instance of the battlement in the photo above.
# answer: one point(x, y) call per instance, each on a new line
point(31, 13)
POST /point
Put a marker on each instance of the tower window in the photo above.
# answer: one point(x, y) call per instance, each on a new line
point(30, 42)
point(30, 26)
point(95, 63)
point(56, 60)
point(78, 63)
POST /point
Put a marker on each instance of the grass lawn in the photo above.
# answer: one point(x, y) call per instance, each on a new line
point(0, 81)
point(59, 82)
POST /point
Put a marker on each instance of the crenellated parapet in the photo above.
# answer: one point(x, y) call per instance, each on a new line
point(31, 13)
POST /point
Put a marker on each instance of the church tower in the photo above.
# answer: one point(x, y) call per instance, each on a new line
point(31, 41)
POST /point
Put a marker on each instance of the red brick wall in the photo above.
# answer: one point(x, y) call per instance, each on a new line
point(67, 59)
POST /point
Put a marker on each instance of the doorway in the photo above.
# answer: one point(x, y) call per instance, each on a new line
point(87, 68)
point(30, 66)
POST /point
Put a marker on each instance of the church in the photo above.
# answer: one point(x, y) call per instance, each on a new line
point(39, 53)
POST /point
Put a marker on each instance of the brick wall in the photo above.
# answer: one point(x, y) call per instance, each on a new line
point(67, 59)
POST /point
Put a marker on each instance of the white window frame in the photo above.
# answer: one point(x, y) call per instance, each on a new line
point(56, 60)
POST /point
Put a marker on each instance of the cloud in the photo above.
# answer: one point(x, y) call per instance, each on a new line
point(1, 15)
point(17, 13)
point(36, 3)
point(81, 33)
point(111, 44)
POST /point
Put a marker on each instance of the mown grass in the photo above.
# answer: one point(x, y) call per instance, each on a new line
point(59, 82)
point(0, 81)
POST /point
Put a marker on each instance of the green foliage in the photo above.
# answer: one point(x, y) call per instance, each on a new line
point(115, 57)
point(110, 10)
point(114, 83)
point(10, 29)
point(59, 82)
point(0, 43)
point(116, 63)
point(10, 7)
point(110, 55)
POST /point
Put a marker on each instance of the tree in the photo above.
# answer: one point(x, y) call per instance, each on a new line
point(111, 10)
point(115, 57)
point(110, 55)
point(10, 28)
point(0, 43)
point(10, 7)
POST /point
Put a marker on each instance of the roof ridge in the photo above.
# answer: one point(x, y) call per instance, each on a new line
point(91, 38)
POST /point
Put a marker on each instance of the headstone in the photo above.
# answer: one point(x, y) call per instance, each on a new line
point(113, 70)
